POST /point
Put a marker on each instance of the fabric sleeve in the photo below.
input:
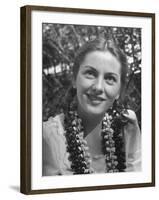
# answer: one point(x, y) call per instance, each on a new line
point(133, 148)
point(53, 148)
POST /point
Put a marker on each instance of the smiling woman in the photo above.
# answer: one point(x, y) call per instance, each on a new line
point(98, 83)
point(91, 135)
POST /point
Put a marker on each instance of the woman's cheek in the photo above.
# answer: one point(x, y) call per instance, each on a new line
point(82, 86)
point(112, 92)
point(85, 83)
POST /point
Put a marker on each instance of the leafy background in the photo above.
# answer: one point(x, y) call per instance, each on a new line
point(60, 44)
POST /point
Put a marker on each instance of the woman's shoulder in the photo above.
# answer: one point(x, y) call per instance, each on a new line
point(54, 126)
point(55, 157)
point(55, 119)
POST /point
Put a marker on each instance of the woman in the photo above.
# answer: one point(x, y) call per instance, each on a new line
point(94, 134)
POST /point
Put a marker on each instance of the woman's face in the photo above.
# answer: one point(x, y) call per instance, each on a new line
point(98, 83)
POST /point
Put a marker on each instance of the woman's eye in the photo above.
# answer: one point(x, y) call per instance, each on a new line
point(90, 74)
point(110, 80)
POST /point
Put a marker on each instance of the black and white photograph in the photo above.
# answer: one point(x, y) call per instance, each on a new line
point(87, 93)
point(91, 99)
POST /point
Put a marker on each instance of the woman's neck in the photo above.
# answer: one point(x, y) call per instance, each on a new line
point(90, 122)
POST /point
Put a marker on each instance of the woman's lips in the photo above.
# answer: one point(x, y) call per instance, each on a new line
point(95, 99)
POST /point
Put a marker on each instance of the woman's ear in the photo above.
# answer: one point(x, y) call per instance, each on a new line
point(73, 83)
point(117, 97)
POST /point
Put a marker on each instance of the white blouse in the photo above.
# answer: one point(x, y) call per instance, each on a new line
point(55, 155)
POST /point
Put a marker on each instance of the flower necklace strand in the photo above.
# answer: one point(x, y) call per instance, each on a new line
point(112, 143)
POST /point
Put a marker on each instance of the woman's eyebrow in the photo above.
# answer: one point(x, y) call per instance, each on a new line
point(111, 73)
point(95, 70)
point(89, 67)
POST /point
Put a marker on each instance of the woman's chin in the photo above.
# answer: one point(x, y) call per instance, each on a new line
point(93, 111)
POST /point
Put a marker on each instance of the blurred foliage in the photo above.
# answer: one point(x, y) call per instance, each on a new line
point(61, 42)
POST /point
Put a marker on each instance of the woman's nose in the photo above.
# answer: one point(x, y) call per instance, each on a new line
point(98, 85)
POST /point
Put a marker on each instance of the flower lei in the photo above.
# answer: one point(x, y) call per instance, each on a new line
point(112, 141)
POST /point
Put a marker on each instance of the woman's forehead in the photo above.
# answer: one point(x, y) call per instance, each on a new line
point(100, 60)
